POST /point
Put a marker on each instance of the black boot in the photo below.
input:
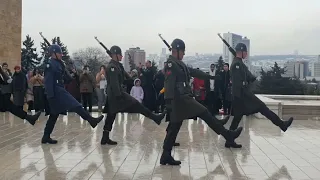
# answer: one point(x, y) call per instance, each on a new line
point(176, 144)
point(106, 139)
point(47, 140)
point(157, 118)
point(95, 121)
point(286, 124)
point(233, 144)
point(231, 135)
point(166, 158)
point(33, 118)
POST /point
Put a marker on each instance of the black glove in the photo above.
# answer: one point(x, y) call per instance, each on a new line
point(168, 105)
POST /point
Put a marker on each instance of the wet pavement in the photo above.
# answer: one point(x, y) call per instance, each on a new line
point(267, 153)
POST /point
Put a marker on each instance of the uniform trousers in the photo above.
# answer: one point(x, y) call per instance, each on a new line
point(16, 110)
point(53, 119)
point(174, 128)
point(134, 108)
point(265, 111)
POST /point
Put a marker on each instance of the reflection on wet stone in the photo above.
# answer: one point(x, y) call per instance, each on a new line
point(267, 153)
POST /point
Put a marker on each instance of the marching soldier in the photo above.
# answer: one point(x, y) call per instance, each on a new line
point(244, 101)
point(15, 110)
point(118, 100)
point(60, 101)
point(181, 104)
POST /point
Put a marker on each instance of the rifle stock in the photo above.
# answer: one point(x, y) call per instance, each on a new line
point(104, 47)
point(233, 52)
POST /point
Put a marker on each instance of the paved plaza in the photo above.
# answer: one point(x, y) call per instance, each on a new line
point(268, 153)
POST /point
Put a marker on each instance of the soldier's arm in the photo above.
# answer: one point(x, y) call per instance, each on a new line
point(236, 79)
point(49, 81)
point(67, 78)
point(250, 77)
point(127, 76)
point(200, 74)
point(112, 72)
point(170, 80)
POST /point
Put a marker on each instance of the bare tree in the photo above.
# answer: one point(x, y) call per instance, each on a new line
point(94, 57)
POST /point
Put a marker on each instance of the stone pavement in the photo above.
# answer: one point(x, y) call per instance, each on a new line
point(268, 154)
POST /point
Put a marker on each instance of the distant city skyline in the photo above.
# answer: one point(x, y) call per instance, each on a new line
point(274, 27)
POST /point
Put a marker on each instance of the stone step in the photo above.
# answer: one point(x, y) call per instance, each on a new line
point(301, 110)
point(300, 117)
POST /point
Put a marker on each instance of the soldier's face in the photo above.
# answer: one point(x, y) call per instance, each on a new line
point(59, 56)
point(119, 56)
point(181, 54)
point(5, 67)
point(245, 54)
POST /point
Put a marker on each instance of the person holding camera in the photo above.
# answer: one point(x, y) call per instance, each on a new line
point(87, 84)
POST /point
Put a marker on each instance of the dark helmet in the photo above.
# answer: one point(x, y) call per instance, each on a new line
point(241, 47)
point(54, 48)
point(178, 44)
point(116, 50)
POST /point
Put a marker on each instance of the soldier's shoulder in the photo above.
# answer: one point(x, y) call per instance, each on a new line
point(111, 68)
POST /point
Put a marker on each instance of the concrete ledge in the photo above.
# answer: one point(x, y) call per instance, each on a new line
point(272, 104)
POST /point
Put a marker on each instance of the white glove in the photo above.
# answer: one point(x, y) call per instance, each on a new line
point(9, 80)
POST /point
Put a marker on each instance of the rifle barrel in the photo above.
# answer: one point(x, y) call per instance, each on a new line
point(165, 42)
point(233, 52)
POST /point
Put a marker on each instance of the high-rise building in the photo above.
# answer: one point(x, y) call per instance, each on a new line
point(138, 56)
point(299, 69)
point(233, 40)
point(163, 58)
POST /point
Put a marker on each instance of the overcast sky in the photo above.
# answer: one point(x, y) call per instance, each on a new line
point(274, 26)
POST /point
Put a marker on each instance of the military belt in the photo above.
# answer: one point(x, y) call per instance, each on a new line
point(183, 88)
point(60, 81)
point(244, 83)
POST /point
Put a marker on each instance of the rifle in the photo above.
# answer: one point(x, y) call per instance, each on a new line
point(165, 42)
point(104, 47)
point(48, 44)
point(233, 52)
point(68, 76)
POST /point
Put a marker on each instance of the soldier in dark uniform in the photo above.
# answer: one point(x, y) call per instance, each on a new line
point(118, 100)
point(60, 101)
point(15, 110)
point(244, 102)
point(181, 104)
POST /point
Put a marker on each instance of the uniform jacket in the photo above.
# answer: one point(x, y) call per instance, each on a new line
point(117, 98)
point(178, 90)
point(244, 101)
point(60, 101)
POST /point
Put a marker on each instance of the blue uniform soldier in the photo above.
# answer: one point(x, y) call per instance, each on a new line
point(60, 101)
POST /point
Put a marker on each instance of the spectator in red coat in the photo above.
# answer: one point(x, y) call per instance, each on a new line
point(199, 90)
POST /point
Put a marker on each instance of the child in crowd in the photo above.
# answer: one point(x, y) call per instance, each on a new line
point(137, 91)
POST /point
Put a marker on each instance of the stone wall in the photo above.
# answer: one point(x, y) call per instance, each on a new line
point(10, 32)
